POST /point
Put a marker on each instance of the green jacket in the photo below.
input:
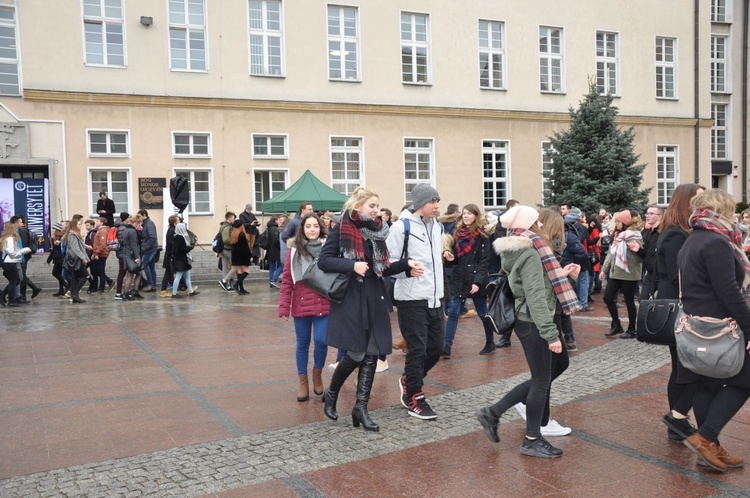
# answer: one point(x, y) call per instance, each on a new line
point(535, 299)
point(635, 265)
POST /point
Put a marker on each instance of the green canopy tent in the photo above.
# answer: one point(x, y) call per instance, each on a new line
point(307, 188)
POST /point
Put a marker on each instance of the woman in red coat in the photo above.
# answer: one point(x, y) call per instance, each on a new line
point(309, 310)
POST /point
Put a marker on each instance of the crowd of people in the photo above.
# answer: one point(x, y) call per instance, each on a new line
point(428, 266)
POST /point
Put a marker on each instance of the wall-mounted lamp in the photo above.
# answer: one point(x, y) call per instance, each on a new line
point(147, 21)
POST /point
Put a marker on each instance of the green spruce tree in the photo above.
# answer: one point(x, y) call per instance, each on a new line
point(594, 163)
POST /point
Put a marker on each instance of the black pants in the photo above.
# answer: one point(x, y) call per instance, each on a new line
point(79, 280)
point(545, 366)
point(57, 273)
point(628, 287)
point(10, 270)
point(714, 406)
point(423, 329)
point(680, 396)
point(99, 273)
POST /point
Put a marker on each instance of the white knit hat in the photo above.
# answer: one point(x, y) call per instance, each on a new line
point(519, 217)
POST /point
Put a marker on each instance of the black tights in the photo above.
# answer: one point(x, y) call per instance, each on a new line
point(714, 406)
point(680, 396)
point(628, 287)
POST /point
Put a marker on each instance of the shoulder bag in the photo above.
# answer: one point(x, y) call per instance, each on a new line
point(331, 286)
point(656, 318)
point(501, 305)
point(71, 262)
point(713, 347)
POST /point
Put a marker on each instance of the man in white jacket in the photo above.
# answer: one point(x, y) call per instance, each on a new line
point(420, 315)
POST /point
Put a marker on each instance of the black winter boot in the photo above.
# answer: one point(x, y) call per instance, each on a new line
point(364, 387)
point(615, 330)
point(344, 369)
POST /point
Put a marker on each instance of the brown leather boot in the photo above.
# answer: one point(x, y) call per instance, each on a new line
point(303, 393)
point(401, 345)
point(318, 381)
point(706, 450)
point(729, 460)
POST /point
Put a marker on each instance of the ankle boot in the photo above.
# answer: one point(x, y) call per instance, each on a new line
point(615, 330)
point(303, 394)
point(364, 387)
point(318, 381)
point(343, 370)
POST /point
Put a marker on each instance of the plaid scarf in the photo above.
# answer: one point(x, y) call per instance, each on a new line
point(620, 244)
point(464, 241)
point(560, 283)
point(355, 229)
point(705, 219)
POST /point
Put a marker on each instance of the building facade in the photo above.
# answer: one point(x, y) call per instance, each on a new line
point(243, 96)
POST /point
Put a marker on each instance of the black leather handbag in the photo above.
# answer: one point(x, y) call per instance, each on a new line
point(656, 319)
point(331, 286)
point(501, 305)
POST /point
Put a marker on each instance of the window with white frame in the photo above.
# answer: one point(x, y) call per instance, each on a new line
point(199, 183)
point(551, 68)
point(190, 145)
point(108, 143)
point(666, 68)
point(187, 35)
point(415, 47)
point(103, 24)
point(492, 55)
point(495, 166)
point(343, 43)
point(268, 183)
point(346, 164)
point(666, 173)
point(9, 55)
point(270, 147)
point(113, 181)
point(418, 164)
point(607, 63)
point(547, 168)
point(266, 38)
point(719, 79)
point(721, 11)
point(719, 131)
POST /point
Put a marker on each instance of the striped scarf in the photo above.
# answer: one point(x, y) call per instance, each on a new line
point(705, 219)
point(560, 283)
point(620, 244)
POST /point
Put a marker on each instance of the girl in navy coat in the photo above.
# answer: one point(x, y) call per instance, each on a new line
point(361, 324)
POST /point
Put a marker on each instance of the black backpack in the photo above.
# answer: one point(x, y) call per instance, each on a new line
point(218, 244)
point(264, 240)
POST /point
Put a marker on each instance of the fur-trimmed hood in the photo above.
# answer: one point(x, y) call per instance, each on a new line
point(511, 244)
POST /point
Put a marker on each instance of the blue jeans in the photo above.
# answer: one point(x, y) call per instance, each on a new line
point(302, 327)
point(274, 270)
point(149, 267)
point(583, 288)
point(454, 308)
point(176, 284)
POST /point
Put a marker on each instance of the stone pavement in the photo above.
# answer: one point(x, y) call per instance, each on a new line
point(196, 397)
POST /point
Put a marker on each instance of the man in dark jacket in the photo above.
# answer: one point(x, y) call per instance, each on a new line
point(650, 236)
point(251, 227)
point(25, 235)
point(576, 222)
point(106, 207)
point(149, 246)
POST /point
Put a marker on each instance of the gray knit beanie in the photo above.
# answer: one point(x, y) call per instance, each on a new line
point(423, 194)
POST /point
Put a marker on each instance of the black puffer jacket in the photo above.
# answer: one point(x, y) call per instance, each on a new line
point(471, 268)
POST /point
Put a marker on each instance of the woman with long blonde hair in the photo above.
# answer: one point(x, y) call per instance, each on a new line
point(75, 246)
point(12, 257)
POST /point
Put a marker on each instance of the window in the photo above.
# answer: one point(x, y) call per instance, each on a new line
point(115, 183)
point(551, 60)
point(666, 173)
point(269, 147)
point(607, 63)
point(415, 48)
point(492, 55)
point(719, 79)
point(192, 145)
point(266, 38)
point(417, 164)
point(721, 11)
point(268, 184)
point(719, 131)
point(346, 164)
point(103, 32)
point(495, 172)
point(547, 168)
point(187, 35)
point(199, 183)
point(343, 43)
point(108, 143)
point(9, 78)
point(666, 68)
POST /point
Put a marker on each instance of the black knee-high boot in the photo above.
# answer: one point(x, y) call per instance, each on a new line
point(360, 414)
point(343, 370)
point(240, 285)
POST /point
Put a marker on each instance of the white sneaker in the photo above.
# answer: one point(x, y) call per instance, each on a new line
point(382, 366)
point(333, 366)
point(521, 409)
point(553, 428)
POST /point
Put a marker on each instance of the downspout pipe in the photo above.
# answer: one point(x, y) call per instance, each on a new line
point(744, 98)
point(696, 89)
